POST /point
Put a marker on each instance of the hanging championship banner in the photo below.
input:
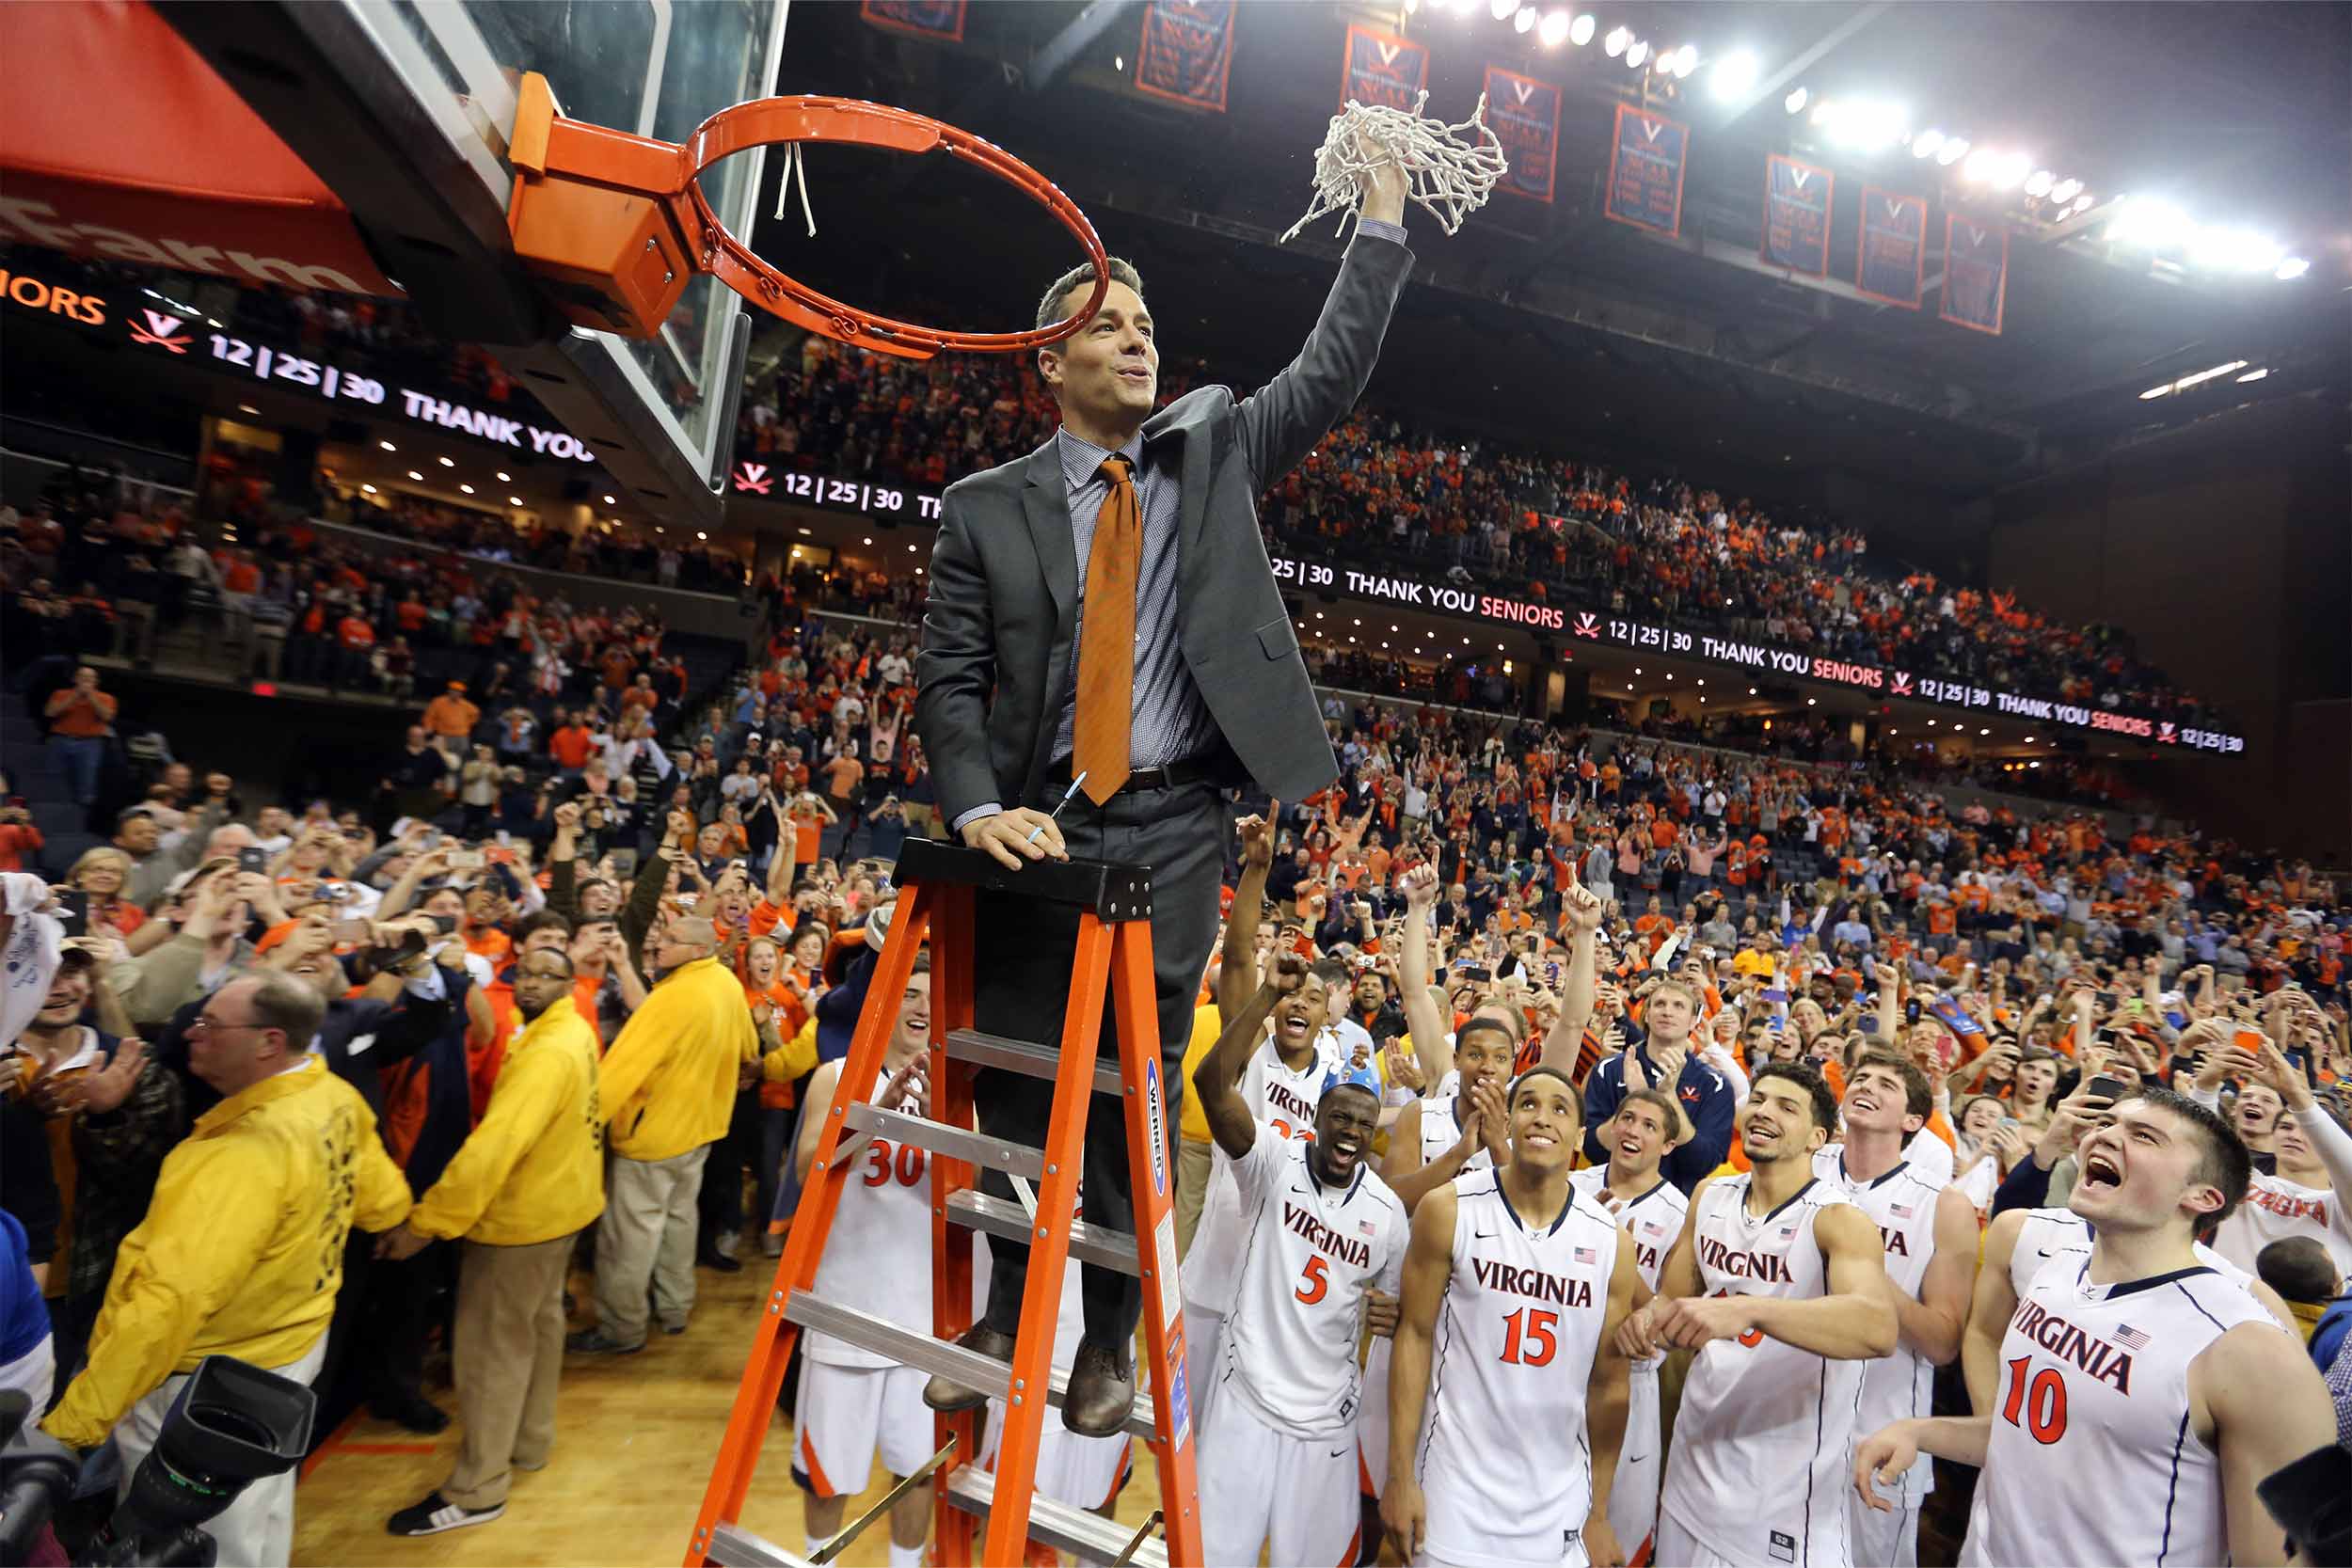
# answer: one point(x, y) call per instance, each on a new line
point(1891, 246)
point(1976, 274)
point(1796, 215)
point(1187, 52)
point(1646, 171)
point(1382, 70)
point(1524, 115)
point(939, 19)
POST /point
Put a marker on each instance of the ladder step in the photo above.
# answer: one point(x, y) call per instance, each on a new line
point(956, 1143)
point(733, 1547)
point(1038, 1061)
point(1091, 1536)
point(909, 1349)
point(999, 1216)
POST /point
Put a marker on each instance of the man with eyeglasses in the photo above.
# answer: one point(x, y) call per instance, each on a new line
point(242, 1250)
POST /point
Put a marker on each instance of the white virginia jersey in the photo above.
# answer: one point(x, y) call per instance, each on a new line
point(1654, 1219)
point(2092, 1408)
point(879, 1257)
point(1309, 1255)
point(1506, 1465)
point(1278, 1098)
point(2276, 1209)
point(1758, 1470)
point(1442, 1129)
point(1901, 1203)
point(2049, 1233)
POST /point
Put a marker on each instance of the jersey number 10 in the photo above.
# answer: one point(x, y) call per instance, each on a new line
point(2038, 1406)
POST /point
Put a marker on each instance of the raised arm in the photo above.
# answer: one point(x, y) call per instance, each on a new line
point(1237, 965)
point(1229, 1121)
point(1583, 909)
point(1426, 1025)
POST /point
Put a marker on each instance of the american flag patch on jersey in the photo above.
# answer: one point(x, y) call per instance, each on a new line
point(1652, 1228)
point(2131, 1336)
point(1787, 1232)
point(1586, 1255)
point(1902, 1210)
point(1365, 1227)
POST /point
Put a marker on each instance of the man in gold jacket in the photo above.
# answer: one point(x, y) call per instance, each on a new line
point(668, 1087)
point(528, 1181)
point(242, 1250)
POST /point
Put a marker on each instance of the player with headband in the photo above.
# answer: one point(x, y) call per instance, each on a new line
point(1321, 1241)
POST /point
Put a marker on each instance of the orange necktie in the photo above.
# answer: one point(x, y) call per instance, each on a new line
point(1107, 647)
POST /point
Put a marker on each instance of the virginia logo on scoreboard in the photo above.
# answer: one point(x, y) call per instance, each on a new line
point(161, 330)
point(1902, 683)
point(1588, 625)
point(2166, 733)
point(752, 478)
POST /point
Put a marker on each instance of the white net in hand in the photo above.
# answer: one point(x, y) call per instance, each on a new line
point(1450, 170)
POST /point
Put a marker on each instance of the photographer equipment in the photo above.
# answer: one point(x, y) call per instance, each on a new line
point(231, 1424)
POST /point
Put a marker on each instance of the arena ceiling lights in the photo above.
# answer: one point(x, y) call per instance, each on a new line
point(2161, 228)
point(2167, 389)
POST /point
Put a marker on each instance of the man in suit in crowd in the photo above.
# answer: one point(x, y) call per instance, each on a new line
point(1105, 607)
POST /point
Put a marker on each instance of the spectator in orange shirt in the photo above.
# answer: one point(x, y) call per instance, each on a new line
point(81, 717)
point(450, 718)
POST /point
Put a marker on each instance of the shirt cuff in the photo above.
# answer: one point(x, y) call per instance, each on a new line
point(1380, 228)
point(428, 987)
point(973, 816)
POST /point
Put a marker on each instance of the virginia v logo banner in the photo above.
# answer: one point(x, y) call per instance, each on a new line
point(1524, 115)
point(1187, 52)
point(1892, 245)
point(941, 20)
point(1645, 159)
point(1976, 273)
point(1796, 215)
point(1382, 70)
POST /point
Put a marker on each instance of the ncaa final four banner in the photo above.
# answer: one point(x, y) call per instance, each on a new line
point(941, 20)
point(1796, 215)
point(1187, 52)
point(1646, 171)
point(1382, 70)
point(1891, 246)
point(1976, 274)
point(1524, 115)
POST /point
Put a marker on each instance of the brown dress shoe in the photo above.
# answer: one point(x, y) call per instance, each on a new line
point(944, 1394)
point(1101, 1393)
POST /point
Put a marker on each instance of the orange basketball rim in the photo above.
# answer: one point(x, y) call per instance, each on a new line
point(617, 224)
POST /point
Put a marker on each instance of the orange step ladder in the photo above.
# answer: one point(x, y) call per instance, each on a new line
point(937, 884)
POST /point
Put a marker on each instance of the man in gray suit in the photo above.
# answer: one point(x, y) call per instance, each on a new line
point(1105, 606)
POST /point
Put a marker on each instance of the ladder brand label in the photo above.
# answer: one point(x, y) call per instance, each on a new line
point(1155, 1124)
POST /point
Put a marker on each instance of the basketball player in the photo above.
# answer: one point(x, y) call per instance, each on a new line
point(1651, 1210)
point(1280, 1083)
point(854, 1403)
point(1320, 1235)
point(1778, 1283)
point(1514, 1284)
point(1929, 1233)
point(2313, 1171)
point(2142, 1395)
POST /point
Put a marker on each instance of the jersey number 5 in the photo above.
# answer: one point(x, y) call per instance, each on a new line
point(2038, 1406)
point(1315, 1282)
point(1528, 1339)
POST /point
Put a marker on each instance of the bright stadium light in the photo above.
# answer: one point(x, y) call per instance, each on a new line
point(2291, 269)
point(1525, 21)
point(1926, 142)
point(1636, 52)
point(2150, 222)
point(1952, 152)
point(1553, 30)
point(1866, 126)
point(2066, 191)
point(2255, 375)
point(1686, 60)
point(1581, 31)
point(1735, 73)
point(1615, 44)
point(1502, 9)
point(1794, 103)
point(2010, 172)
point(2039, 182)
point(1979, 167)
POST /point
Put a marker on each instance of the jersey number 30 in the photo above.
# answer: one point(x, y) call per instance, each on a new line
point(881, 1168)
point(2038, 1405)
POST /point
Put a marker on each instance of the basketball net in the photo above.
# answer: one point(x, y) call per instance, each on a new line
point(1450, 171)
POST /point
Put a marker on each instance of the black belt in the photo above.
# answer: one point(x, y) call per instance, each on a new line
point(1184, 771)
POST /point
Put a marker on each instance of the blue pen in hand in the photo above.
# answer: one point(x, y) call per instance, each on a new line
point(1067, 796)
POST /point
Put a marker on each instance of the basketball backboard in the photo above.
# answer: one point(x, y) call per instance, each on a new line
point(403, 108)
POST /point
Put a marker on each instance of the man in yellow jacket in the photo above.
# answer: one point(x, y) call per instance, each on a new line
point(528, 1181)
point(668, 1088)
point(242, 1250)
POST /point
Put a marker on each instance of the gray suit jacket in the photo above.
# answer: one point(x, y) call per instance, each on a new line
point(1004, 576)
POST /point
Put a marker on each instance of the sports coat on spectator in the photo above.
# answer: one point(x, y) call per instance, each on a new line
point(1004, 574)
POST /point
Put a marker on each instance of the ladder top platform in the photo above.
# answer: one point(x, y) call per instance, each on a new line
point(1111, 891)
